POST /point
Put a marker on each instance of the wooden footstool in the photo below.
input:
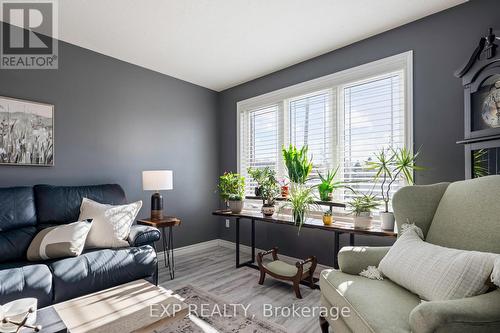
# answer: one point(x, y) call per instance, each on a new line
point(302, 270)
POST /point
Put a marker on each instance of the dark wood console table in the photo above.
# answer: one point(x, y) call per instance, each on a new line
point(338, 228)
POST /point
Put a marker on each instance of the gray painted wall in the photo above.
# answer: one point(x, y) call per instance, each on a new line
point(113, 120)
point(441, 43)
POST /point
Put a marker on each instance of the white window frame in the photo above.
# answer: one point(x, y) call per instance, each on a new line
point(399, 62)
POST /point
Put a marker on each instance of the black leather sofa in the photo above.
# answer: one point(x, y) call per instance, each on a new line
point(26, 210)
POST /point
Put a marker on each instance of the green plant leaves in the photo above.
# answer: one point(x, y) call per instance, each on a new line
point(297, 163)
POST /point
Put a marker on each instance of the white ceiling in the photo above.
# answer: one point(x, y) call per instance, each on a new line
point(221, 43)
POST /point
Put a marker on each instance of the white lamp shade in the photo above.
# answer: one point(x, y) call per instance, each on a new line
point(157, 180)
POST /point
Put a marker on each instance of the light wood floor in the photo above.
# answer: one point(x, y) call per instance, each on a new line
point(213, 271)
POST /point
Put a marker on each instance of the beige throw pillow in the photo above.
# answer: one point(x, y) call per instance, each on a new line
point(61, 241)
point(434, 272)
point(111, 224)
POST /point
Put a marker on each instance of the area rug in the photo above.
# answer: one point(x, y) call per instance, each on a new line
point(213, 315)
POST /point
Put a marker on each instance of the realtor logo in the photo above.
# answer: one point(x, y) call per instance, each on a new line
point(27, 34)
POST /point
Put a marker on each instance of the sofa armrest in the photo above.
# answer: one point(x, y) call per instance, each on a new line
point(143, 235)
point(473, 314)
point(354, 259)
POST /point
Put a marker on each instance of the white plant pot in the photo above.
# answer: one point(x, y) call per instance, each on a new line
point(363, 221)
point(236, 206)
point(387, 220)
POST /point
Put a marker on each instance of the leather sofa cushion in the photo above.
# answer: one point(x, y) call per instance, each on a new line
point(61, 204)
point(17, 208)
point(15, 243)
point(101, 269)
point(19, 280)
point(375, 306)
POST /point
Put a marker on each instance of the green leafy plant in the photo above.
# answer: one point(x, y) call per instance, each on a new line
point(231, 186)
point(391, 165)
point(363, 204)
point(268, 184)
point(301, 202)
point(479, 169)
point(327, 213)
point(297, 163)
point(329, 185)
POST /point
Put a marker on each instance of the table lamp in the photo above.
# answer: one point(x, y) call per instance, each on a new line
point(157, 180)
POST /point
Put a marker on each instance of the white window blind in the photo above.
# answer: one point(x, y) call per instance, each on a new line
point(344, 118)
point(311, 124)
point(374, 118)
point(260, 146)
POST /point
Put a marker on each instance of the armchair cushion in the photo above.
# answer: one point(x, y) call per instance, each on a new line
point(352, 260)
point(473, 314)
point(435, 272)
point(143, 235)
point(375, 306)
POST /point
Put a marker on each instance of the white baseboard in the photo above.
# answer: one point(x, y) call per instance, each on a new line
point(194, 247)
point(248, 250)
point(231, 245)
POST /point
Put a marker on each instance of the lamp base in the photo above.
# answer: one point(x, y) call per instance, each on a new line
point(156, 206)
point(156, 214)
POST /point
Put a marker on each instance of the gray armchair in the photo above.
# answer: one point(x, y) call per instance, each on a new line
point(463, 215)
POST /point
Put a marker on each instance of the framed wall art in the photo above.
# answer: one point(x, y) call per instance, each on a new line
point(26, 132)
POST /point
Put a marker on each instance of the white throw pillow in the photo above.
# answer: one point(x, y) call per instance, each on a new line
point(66, 240)
point(434, 272)
point(495, 276)
point(111, 224)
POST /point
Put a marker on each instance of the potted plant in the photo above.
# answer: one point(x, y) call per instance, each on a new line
point(258, 175)
point(301, 202)
point(232, 190)
point(327, 218)
point(392, 165)
point(268, 186)
point(362, 207)
point(297, 163)
point(328, 185)
point(284, 188)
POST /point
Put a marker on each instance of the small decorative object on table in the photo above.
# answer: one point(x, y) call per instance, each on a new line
point(232, 190)
point(157, 180)
point(392, 165)
point(362, 207)
point(168, 243)
point(327, 218)
point(284, 188)
point(19, 314)
point(303, 270)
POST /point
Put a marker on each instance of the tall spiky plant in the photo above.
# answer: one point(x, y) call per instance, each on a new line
point(391, 165)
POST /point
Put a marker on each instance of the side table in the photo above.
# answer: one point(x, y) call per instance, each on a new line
point(168, 243)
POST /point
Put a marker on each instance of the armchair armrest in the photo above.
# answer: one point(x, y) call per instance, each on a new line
point(473, 314)
point(354, 259)
point(143, 235)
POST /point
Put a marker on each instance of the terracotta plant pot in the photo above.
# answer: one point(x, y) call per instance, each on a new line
point(327, 219)
point(284, 191)
point(363, 221)
point(268, 210)
point(236, 206)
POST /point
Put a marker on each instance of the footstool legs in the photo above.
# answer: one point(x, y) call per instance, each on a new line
point(300, 274)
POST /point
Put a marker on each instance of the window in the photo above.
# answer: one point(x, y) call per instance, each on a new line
point(260, 146)
point(373, 119)
point(344, 118)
